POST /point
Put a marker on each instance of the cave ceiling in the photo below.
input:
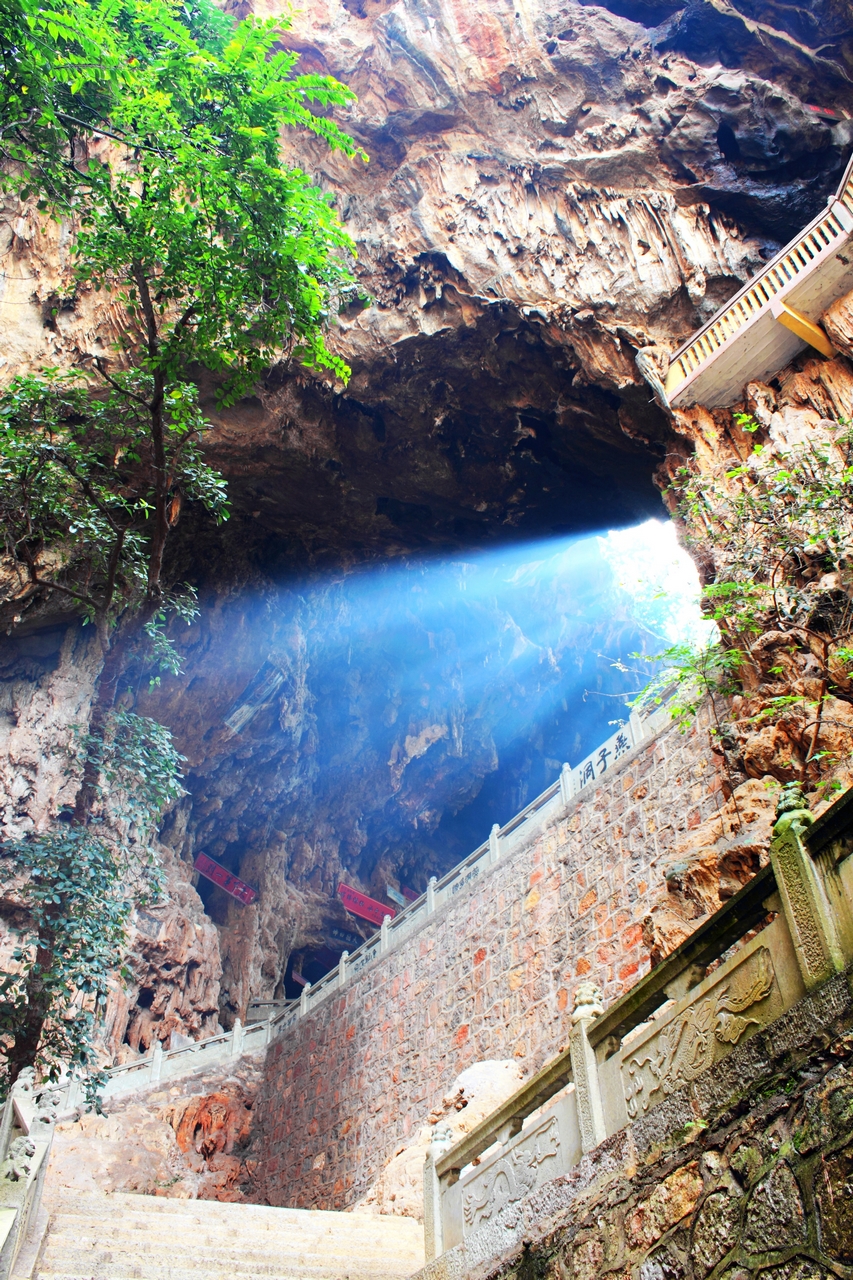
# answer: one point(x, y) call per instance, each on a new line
point(552, 188)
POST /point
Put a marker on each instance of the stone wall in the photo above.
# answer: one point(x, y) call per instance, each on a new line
point(490, 976)
point(746, 1171)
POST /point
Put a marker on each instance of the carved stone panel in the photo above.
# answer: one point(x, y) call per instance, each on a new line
point(741, 996)
point(504, 1181)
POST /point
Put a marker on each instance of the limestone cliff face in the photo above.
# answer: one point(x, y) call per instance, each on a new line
point(555, 194)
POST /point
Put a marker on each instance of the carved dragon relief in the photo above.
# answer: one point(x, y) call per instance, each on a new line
point(692, 1043)
point(511, 1178)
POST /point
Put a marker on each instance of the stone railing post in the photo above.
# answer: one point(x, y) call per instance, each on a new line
point(494, 844)
point(566, 783)
point(342, 968)
point(156, 1062)
point(430, 903)
point(808, 913)
point(442, 1140)
point(303, 999)
point(585, 1068)
point(237, 1039)
point(384, 935)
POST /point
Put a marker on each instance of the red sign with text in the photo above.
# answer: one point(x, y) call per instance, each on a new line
point(225, 879)
point(360, 905)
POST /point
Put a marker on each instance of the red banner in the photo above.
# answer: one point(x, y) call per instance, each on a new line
point(225, 879)
point(360, 905)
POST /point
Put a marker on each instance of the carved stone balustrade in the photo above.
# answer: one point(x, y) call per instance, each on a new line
point(27, 1124)
point(623, 1062)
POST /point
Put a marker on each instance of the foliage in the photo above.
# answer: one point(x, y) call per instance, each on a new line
point(778, 529)
point(140, 772)
point(77, 484)
point(156, 129)
point(77, 916)
point(689, 675)
point(77, 887)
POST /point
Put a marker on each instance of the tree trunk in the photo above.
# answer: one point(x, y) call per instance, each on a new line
point(24, 1051)
point(105, 700)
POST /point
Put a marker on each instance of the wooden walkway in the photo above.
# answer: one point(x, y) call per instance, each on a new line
point(772, 318)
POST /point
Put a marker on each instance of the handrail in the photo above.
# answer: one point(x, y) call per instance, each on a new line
point(572, 781)
point(830, 826)
point(743, 911)
point(27, 1126)
point(816, 241)
point(622, 1063)
point(510, 1115)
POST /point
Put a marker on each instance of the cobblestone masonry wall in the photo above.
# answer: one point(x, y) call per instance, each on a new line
point(491, 976)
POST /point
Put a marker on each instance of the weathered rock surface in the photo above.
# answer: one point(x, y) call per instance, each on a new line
point(552, 192)
point(189, 1140)
point(757, 1185)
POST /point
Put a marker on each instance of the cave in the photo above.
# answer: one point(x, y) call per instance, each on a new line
point(423, 835)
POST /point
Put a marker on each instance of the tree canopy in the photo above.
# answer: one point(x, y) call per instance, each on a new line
point(158, 131)
point(159, 128)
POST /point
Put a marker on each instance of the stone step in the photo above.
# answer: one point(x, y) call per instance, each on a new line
point(222, 1211)
point(133, 1237)
point(235, 1254)
point(118, 1225)
point(141, 1267)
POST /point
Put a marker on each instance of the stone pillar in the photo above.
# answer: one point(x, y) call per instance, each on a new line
point(384, 936)
point(431, 896)
point(342, 968)
point(237, 1039)
point(494, 844)
point(566, 783)
point(585, 1068)
point(433, 1233)
point(156, 1062)
point(303, 999)
point(808, 914)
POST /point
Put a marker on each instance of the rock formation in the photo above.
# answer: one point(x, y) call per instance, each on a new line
point(556, 196)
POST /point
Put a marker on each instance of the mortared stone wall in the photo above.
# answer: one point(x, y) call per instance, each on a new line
point(490, 976)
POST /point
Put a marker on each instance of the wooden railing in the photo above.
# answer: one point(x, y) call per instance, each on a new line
point(820, 240)
point(622, 1062)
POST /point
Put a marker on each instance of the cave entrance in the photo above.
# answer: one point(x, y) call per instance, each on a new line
point(380, 721)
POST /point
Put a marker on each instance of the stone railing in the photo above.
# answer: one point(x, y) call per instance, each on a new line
point(27, 1122)
point(622, 1063)
point(266, 1017)
point(162, 1064)
point(612, 754)
point(759, 305)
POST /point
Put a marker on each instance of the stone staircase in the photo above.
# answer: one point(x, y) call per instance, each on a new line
point(136, 1237)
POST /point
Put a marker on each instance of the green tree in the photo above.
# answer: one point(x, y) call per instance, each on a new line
point(160, 130)
point(75, 887)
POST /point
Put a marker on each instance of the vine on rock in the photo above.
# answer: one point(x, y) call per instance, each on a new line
point(774, 534)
